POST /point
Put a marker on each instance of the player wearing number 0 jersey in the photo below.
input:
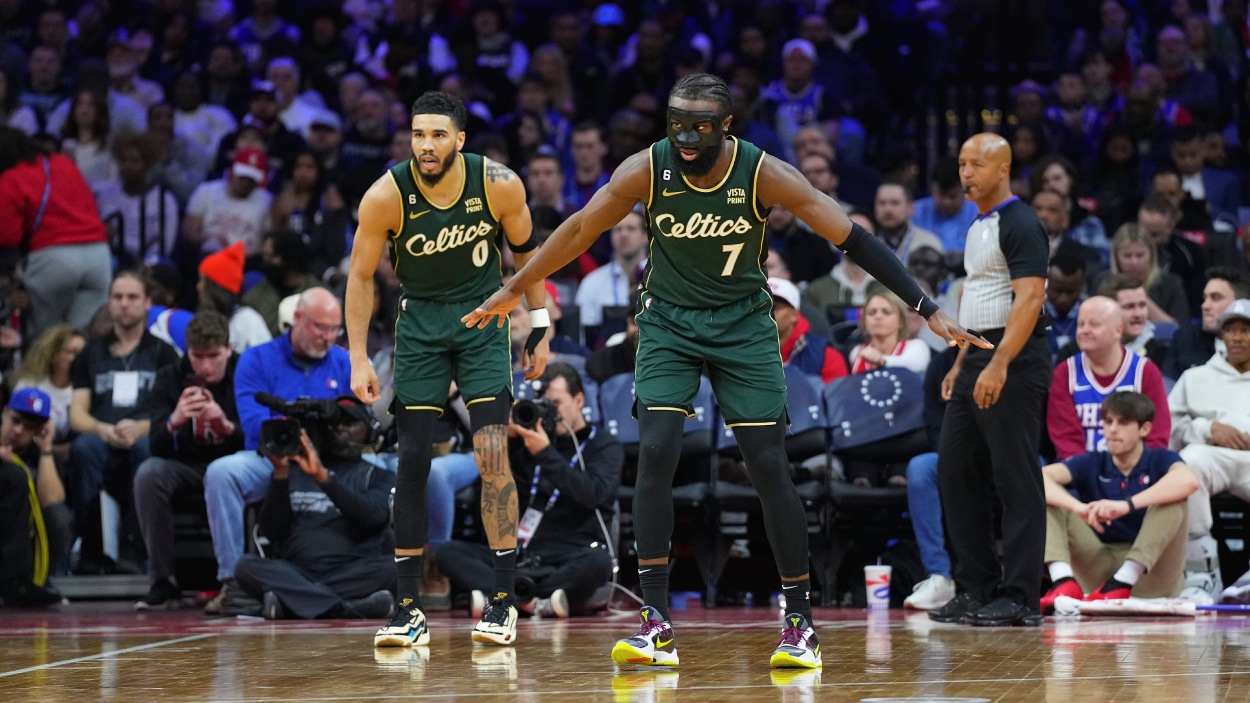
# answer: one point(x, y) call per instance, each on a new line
point(705, 302)
point(454, 211)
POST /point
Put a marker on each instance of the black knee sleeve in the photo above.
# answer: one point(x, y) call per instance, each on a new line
point(785, 521)
point(658, 452)
point(484, 413)
point(416, 441)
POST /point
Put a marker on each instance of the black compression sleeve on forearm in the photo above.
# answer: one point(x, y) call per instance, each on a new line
point(873, 256)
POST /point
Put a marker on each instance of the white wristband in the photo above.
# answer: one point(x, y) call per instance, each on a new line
point(540, 318)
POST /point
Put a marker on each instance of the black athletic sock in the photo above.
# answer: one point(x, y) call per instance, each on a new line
point(408, 571)
point(654, 581)
point(1112, 584)
point(798, 597)
point(505, 573)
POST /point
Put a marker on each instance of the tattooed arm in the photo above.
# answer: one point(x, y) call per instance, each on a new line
point(499, 496)
point(506, 195)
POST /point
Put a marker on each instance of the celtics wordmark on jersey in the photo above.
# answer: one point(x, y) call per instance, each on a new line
point(707, 244)
point(447, 253)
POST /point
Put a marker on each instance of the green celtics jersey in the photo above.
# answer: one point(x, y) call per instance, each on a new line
point(449, 254)
point(707, 246)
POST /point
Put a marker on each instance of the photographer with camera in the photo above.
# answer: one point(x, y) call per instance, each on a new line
point(34, 521)
point(195, 421)
point(304, 362)
point(327, 519)
point(572, 471)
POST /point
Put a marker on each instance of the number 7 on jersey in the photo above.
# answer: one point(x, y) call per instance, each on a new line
point(733, 250)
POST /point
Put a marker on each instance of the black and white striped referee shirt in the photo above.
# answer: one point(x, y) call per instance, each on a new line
point(1008, 242)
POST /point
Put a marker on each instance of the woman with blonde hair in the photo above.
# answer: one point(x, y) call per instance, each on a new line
point(1133, 253)
point(888, 338)
point(47, 367)
point(549, 64)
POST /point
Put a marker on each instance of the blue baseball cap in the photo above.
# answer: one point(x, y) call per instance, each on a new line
point(31, 401)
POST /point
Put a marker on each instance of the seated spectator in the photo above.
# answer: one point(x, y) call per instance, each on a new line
point(923, 502)
point(617, 355)
point(67, 268)
point(1052, 210)
point(846, 286)
point(893, 208)
point(1139, 332)
point(1194, 345)
point(310, 205)
point(1210, 407)
point(1056, 173)
point(195, 422)
point(327, 517)
point(142, 215)
point(181, 163)
point(1178, 256)
point(47, 366)
point(1115, 518)
point(1081, 383)
point(946, 212)
point(283, 254)
point(86, 138)
point(1065, 287)
point(604, 293)
point(166, 320)
point(231, 209)
point(564, 554)
point(302, 362)
point(887, 338)
point(1195, 222)
point(1134, 254)
point(221, 279)
point(799, 348)
point(111, 411)
point(808, 255)
point(34, 522)
point(1219, 191)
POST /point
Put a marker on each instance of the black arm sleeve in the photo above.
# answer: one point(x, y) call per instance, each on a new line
point(275, 512)
point(368, 510)
point(875, 258)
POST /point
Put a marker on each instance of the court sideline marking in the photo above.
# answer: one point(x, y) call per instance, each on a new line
point(102, 655)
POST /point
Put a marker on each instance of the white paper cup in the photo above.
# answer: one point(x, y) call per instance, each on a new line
point(877, 585)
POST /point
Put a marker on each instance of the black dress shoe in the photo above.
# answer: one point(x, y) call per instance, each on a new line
point(956, 609)
point(26, 594)
point(1004, 612)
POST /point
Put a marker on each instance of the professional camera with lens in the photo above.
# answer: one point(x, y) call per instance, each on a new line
point(529, 413)
point(281, 436)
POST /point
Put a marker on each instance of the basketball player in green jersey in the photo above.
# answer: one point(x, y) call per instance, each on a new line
point(444, 214)
point(705, 299)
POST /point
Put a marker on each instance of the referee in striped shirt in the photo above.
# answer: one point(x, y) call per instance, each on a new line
point(997, 398)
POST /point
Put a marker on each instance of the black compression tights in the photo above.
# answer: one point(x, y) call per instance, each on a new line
point(763, 451)
point(412, 513)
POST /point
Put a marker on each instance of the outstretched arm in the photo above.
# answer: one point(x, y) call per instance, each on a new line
point(782, 184)
point(630, 183)
point(377, 221)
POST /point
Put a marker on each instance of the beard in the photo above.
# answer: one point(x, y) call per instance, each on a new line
point(433, 179)
point(702, 164)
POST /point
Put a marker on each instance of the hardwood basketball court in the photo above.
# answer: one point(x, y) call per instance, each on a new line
point(105, 651)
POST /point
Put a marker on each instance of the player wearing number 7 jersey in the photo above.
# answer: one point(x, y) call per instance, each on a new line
point(444, 214)
point(705, 300)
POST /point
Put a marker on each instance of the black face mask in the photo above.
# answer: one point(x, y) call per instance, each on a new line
point(683, 135)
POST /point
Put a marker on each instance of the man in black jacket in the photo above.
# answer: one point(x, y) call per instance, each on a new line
point(194, 421)
point(572, 483)
point(330, 526)
point(1194, 345)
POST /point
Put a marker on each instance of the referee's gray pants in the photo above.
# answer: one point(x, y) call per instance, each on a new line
point(995, 451)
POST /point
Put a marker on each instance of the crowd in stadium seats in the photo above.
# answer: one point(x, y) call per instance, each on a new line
point(219, 150)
